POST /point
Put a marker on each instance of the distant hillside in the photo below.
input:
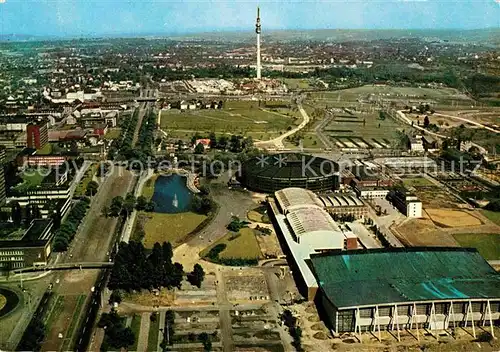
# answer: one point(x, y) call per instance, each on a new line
point(490, 35)
point(480, 35)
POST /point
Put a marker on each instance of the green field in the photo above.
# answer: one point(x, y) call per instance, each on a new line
point(363, 128)
point(238, 117)
point(161, 227)
point(492, 215)
point(242, 245)
point(417, 182)
point(488, 245)
point(46, 150)
point(309, 140)
point(149, 187)
point(297, 83)
point(32, 178)
point(154, 328)
point(113, 133)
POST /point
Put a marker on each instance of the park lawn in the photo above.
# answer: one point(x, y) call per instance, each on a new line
point(236, 118)
point(488, 245)
point(113, 133)
point(244, 246)
point(3, 301)
point(135, 325)
point(297, 83)
point(173, 228)
point(149, 187)
point(154, 328)
point(32, 178)
point(259, 214)
point(309, 140)
point(492, 215)
point(417, 182)
point(46, 150)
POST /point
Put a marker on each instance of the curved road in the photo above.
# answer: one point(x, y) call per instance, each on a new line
point(278, 141)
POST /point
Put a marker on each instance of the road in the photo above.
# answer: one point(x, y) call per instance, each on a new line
point(319, 132)
point(402, 117)
point(91, 244)
point(469, 121)
point(231, 202)
point(224, 313)
point(278, 141)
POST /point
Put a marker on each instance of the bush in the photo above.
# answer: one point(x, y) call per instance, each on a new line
point(213, 254)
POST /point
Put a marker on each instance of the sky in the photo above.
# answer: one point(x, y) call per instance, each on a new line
point(115, 17)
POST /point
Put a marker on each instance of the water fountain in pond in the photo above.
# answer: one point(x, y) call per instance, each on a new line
point(175, 201)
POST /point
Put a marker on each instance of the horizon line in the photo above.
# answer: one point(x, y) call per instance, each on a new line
point(49, 37)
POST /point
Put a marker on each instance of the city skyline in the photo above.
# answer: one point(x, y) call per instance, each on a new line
point(92, 18)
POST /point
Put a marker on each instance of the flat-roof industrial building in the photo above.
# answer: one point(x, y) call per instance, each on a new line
point(406, 288)
point(28, 247)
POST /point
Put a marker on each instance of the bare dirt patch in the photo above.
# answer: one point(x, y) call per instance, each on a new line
point(423, 232)
point(452, 218)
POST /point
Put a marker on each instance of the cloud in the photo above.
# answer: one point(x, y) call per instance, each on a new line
point(2, 1)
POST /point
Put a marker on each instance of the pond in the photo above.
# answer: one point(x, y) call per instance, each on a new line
point(171, 194)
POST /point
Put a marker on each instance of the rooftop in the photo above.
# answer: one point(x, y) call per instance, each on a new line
point(37, 234)
point(292, 198)
point(399, 275)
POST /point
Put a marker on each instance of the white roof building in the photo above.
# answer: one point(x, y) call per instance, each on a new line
point(306, 228)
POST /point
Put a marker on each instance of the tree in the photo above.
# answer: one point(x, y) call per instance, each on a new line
point(91, 189)
point(142, 202)
point(17, 213)
point(223, 142)
point(213, 140)
point(426, 121)
point(150, 207)
point(116, 297)
point(206, 341)
point(199, 149)
point(197, 276)
point(129, 204)
point(116, 206)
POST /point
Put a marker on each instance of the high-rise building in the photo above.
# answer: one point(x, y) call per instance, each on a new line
point(258, 30)
point(37, 135)
point(2, 176)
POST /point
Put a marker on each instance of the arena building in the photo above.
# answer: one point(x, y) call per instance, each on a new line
point(432, 288)
point(305, 228)
point(270, 173)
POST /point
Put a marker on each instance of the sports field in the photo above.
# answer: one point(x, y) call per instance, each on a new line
point(488, 245)
point(237, 117)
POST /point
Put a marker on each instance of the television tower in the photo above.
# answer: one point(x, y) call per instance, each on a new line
point(258, 30)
